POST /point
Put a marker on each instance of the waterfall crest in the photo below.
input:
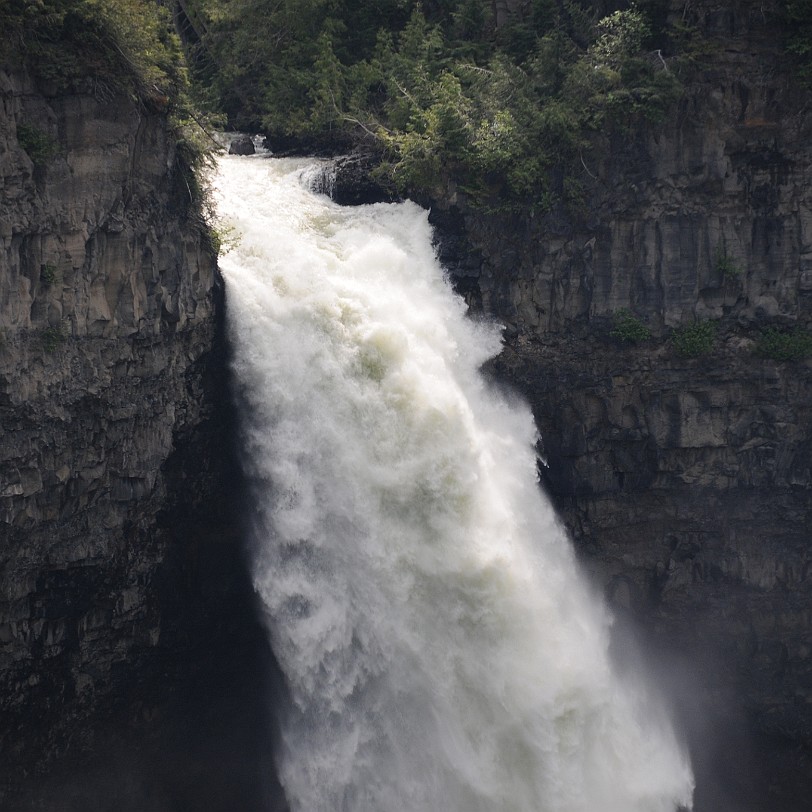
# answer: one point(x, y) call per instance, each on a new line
point(441, 649)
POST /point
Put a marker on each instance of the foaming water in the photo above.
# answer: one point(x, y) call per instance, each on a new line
point(441, 650)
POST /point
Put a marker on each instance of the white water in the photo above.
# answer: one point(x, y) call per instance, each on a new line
point(424, 604)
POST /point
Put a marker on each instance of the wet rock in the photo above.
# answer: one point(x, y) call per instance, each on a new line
point(114, 482)
point(242, 145)
point(352, 182)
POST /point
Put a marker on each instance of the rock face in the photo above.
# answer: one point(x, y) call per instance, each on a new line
point(119, 566)
point(350, 181)
point(686, 482)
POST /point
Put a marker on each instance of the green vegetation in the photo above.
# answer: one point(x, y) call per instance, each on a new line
point(725, 265)
point(798, 15)
point(503, 98)
point(106, 48)
point(694, 340)
point(49, 274)
point(97, 45)
point(39, 146)
point(785, 346)
point(628, 328)
point(51, 338)
point(223, 237)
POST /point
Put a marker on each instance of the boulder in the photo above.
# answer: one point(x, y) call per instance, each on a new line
point(352, 182)
point(241, 145)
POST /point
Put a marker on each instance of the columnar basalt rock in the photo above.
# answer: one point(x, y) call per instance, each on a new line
point(119, 556)
point(685, 482)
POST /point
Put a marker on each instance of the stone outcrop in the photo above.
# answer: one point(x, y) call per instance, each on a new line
point(241, 145)
point(685, 482)
point(351, 182)
point(122, 591)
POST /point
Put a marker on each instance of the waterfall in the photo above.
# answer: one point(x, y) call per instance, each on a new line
point(441, 650)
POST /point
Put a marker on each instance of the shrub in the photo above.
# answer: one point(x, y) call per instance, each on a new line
point(694, 340)
point(49, 275)
point(798, 19)
point(39, 146)
point(628, 328)
point(506, 111)
point(792, 346)
point(78, 44)
point(223, 237)
point(51, 338)
point(725, 265)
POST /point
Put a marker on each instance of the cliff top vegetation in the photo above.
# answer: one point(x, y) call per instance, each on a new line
point(113, 44)
point(501, 97)
point(497, 96)
point(105, 48)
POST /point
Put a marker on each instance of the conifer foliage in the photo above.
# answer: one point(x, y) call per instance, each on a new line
point(498, 95)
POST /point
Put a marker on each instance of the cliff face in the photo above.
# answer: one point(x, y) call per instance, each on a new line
point(685, 481)
point(120, 574)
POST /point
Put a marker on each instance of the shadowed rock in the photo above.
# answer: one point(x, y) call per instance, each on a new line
point(242, 145)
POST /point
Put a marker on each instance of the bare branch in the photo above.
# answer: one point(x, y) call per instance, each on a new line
point(583, 163)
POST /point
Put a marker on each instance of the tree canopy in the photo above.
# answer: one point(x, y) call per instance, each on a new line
point(503, 97)
point(495, 93)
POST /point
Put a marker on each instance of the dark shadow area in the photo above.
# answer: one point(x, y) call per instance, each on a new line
point(190, 725)
point(737, 767)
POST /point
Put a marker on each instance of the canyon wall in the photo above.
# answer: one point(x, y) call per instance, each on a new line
point(685, 482)
point(125, 610)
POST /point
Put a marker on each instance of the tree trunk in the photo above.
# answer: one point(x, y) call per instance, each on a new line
point(505, 11)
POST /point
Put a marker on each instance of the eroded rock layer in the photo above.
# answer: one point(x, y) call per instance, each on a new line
point(686, 482)
point(120, 573)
